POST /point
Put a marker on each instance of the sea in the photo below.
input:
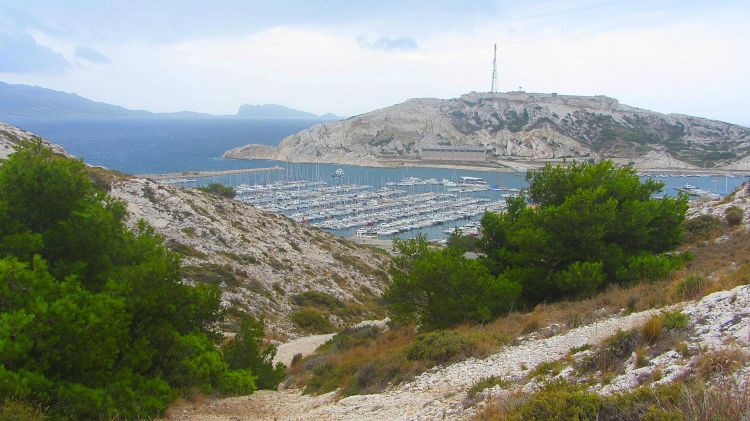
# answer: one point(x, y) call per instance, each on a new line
point(151, 145)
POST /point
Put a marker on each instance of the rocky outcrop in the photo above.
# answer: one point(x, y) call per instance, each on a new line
point(10, 136)
point(256, 151)
point(718, 208)
point(519, 126)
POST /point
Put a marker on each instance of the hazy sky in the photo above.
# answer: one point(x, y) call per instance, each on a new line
point(349, 57)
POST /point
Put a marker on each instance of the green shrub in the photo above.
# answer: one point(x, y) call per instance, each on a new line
point(733, 215)
point(318, 299)
point(590, 225)
point(312, 321)
point(238, 382)
point(701, 227)
point(439, 346)
point(350, 338)
point(611, 354)
point(95, 320)
point(577, 349)
point(219, 190)
point(439, 288)
point(691, 286)
point(648, 268)
point(487, 383)
point(247, 351)
point(675, 320)
point(551, 368)
point(560, 401)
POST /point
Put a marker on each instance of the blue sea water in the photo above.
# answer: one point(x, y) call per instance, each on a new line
point(156, 145)
point(161, 145)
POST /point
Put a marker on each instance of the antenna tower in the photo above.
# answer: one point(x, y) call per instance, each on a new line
point(495, 81)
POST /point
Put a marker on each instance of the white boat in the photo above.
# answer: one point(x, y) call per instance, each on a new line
point(338, 174)
point(366, 233)
point(471, 180)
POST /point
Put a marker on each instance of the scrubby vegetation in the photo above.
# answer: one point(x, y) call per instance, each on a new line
point(701, 227)
point(685, 399)
point(219, 190)
point(311, 320)
point(733, 216)
point(95, 322)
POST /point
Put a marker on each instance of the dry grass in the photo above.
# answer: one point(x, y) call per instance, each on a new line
point(724, 400)
point(689, 399)
point(720, 362)
point(651, 330)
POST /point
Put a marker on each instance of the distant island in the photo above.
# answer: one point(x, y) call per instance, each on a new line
point(34, 101)
point(280, 111)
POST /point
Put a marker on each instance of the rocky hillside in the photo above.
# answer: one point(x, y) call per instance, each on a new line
point(518, 126)
point(260, 260)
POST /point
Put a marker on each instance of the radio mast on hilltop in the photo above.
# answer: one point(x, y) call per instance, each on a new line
point(495, 81)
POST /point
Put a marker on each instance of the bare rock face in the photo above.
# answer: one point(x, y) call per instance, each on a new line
point(519, 125)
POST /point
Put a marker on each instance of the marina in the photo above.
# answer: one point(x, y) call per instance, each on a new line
point(385, 203)
point(375, 213)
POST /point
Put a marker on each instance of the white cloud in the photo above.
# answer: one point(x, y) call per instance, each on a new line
point(696, 67)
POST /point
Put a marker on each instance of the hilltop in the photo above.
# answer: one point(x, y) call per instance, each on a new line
point(519, 130)
point(260, 260)
point(35, 101)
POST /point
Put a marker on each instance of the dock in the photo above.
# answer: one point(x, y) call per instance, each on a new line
point(194, 174)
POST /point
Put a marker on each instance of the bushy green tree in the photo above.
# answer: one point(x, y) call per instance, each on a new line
point(219, 190)
point(440, 288)
point(247, 351)
point(94, 319)
point(579, 228)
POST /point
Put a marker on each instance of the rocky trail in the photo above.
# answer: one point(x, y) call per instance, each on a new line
point(305, 346)
point(436, 394)
point(718, 320)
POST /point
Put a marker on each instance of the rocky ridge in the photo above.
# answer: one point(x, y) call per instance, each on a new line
point(518, 126)
point(11, 135)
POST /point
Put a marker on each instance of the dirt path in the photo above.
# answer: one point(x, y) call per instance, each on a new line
point(305, 346)
point(432, 395)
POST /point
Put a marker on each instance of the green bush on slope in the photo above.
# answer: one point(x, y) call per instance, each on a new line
point(94, 319)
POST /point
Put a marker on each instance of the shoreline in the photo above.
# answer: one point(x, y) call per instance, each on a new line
point(506, 166)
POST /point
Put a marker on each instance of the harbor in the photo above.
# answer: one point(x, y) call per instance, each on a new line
point(380, 204)
point(410, 204)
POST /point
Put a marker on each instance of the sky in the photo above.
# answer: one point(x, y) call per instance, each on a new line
point(350, 57)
